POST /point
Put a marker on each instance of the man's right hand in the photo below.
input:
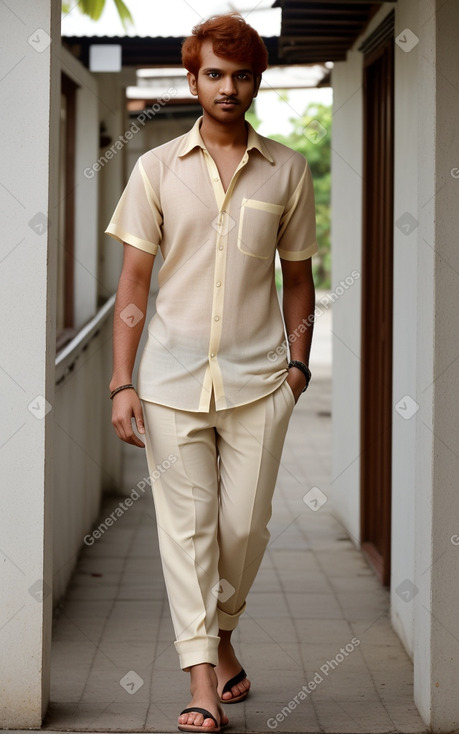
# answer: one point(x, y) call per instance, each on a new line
point(127, 406)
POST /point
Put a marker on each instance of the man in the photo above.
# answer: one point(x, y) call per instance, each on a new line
point(217, 201)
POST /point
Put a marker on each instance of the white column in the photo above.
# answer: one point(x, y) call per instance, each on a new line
point(406, 233)
point(346, 228)
point(29, 87)
point(436, 624)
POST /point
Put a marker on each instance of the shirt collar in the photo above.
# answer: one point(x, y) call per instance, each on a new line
point(193, 139)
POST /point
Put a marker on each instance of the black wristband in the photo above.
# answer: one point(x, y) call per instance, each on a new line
point(303, 368)
point(121, 387)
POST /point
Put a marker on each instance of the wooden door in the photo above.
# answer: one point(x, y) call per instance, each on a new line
point(377, 290)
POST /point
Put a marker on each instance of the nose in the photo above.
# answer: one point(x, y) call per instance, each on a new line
point(227, 86)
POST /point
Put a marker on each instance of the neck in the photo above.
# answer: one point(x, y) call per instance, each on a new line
point(231, 135)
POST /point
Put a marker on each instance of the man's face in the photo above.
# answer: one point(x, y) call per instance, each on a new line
point(225, 88)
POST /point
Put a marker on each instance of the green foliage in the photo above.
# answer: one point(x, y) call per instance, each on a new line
point(251, 116)
point(311, 136)
point(94, 8)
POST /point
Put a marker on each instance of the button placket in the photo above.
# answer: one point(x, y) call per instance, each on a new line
point(222, 226)
point(218, 295)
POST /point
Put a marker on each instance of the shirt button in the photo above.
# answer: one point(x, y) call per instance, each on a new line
point(216, 179)
point(216, 318)
point(220, 247)
point(218, 284)
point(212, 355)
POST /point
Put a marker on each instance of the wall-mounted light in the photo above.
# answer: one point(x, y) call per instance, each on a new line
point(105, 57)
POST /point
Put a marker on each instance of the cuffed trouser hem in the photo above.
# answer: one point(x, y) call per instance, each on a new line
point(197, 650)
point(229, 622)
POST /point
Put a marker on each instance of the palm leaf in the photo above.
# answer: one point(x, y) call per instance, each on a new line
point(93, 9)
point(124, 13)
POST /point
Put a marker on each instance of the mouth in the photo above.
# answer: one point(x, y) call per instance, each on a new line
point(229, 103)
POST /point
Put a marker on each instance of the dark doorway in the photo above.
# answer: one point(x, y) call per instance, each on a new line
point(377, 291)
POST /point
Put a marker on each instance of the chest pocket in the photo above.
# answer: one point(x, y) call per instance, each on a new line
point(258, 227)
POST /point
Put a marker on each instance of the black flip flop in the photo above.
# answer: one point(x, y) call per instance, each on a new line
point(232, 682)
point(203, 729)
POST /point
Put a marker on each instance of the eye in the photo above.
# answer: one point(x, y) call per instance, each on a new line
point(243, 75)
point(213, 74)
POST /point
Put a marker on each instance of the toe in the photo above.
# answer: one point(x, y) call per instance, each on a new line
point(192, 718)
point(238, 690)
point(243, 686)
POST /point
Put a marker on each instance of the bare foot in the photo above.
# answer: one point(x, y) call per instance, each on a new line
point(229, 666)
point(203, 688)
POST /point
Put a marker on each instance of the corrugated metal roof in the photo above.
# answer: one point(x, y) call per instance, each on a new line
point(146, 51)
point(323, 30)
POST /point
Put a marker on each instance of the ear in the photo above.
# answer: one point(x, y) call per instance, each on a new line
point(256, 85)
point(192, 83)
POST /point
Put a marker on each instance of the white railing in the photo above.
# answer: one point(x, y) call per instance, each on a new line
point(87, 455)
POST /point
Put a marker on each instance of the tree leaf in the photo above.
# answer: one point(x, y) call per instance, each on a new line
point(124, 13)
point(92, 8)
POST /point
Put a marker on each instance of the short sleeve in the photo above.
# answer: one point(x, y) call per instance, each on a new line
point(137, 218)
point(297, 228)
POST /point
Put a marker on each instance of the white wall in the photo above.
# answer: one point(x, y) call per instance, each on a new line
point(425, 370)
point(30, 91)
point(404, 321)
point(346, 256)
point(437, 508)
point(111, 174)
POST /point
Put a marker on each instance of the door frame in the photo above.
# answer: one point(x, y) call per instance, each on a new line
point(377, 299)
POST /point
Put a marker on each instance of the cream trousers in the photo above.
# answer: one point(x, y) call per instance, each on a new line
point(212, 506)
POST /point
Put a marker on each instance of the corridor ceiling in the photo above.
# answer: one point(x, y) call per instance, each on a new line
point(311, 32)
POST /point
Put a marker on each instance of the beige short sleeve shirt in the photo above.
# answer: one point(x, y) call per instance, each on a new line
point(217, 317)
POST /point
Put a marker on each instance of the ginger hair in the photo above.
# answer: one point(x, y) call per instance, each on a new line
point(231, 38)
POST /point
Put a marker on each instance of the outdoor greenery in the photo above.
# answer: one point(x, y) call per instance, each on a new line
point(311, 136)
point(94, 9)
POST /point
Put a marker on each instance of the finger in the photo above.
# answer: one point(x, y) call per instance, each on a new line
point(129, 436)
point(137, 442)
point(138, 415)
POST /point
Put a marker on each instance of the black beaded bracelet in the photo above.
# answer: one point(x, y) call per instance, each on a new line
point(121, 387)
point(304, 369)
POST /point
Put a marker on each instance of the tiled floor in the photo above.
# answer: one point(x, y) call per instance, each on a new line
point(316, 639)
